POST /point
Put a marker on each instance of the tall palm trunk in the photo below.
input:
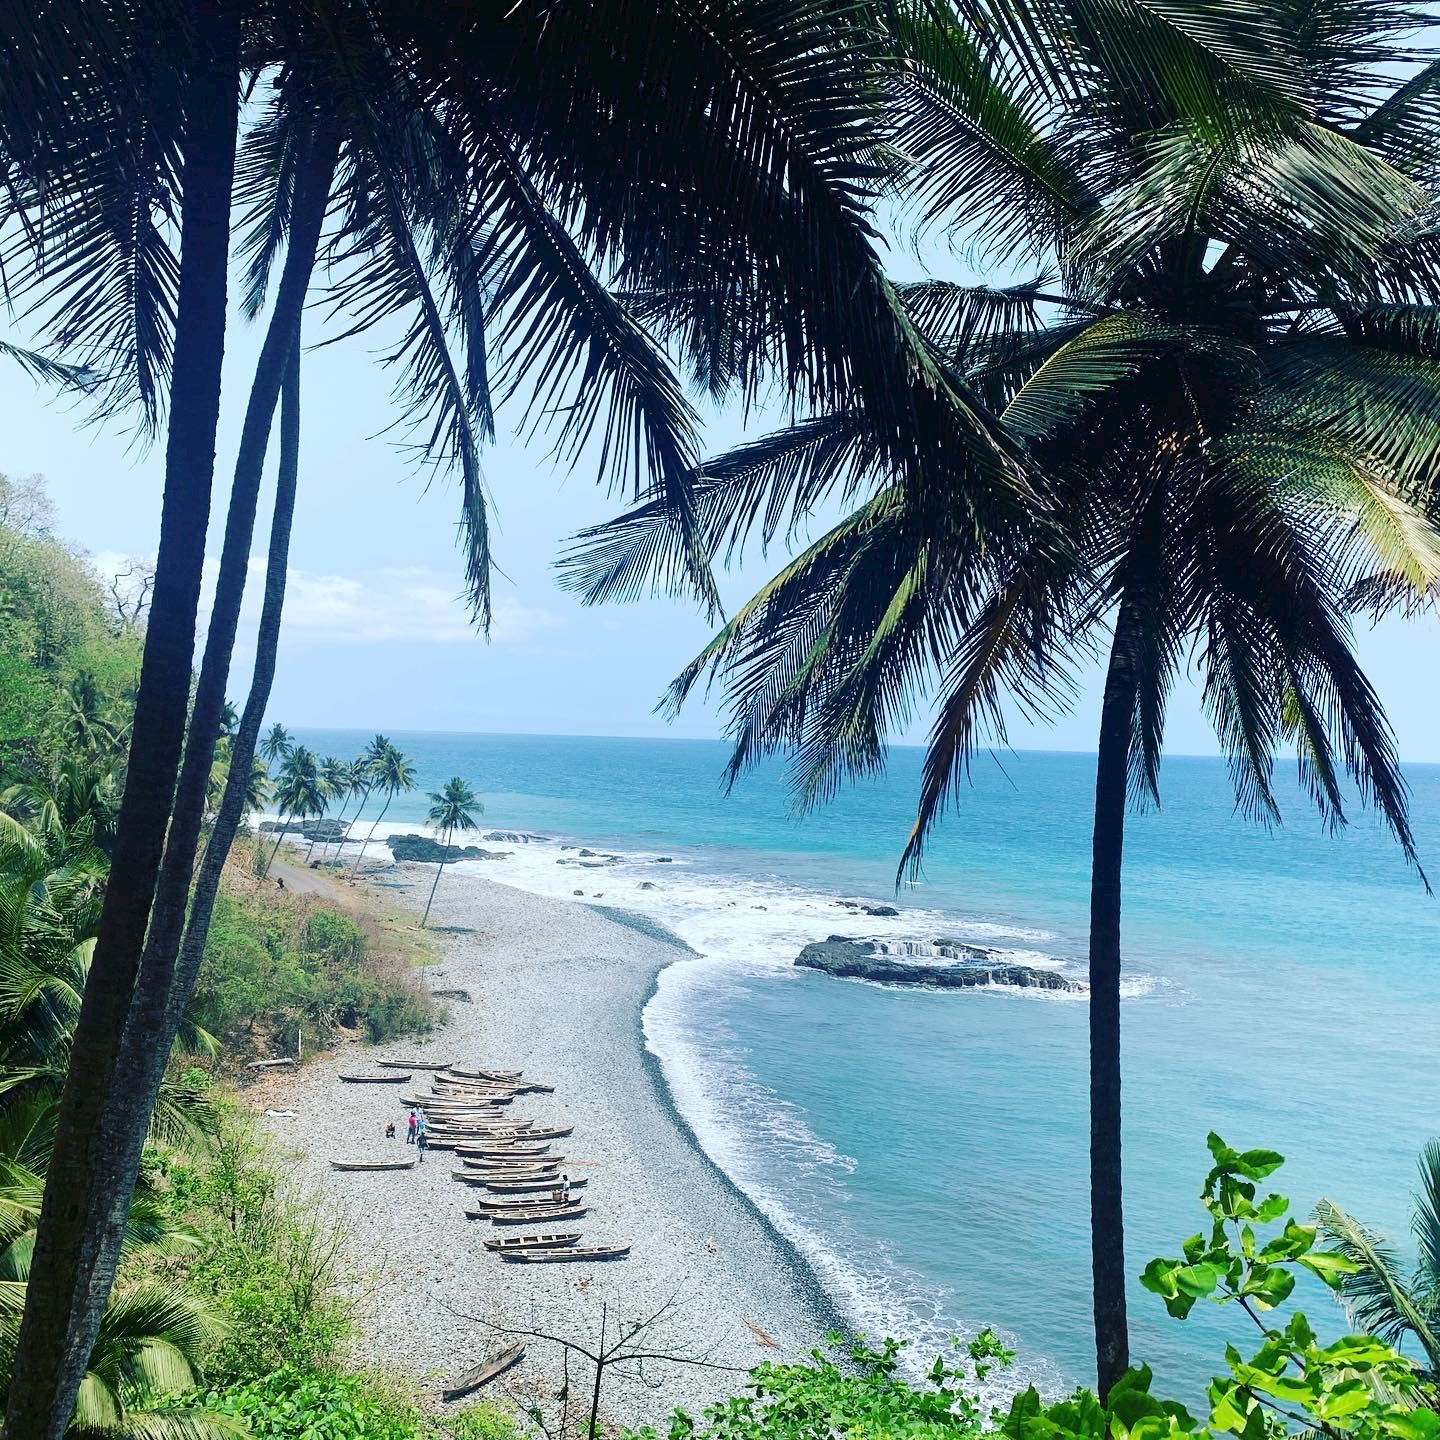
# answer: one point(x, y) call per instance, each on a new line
point(340, 822)
point(232, 803)
point(371, 835)
point(360, 810)
point(439, 871)
point(279, 841)
point(91, 1168)
point(1107, 1221)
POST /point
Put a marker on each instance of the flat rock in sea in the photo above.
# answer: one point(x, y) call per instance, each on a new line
point(424, 850)
point(512, 837)
point(853, 959)
point(879, 909)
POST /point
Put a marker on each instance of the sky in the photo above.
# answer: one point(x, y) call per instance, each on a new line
point(376, 635)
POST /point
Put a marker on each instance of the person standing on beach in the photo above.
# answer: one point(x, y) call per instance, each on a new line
point(420, 1146)
point(410, 1127)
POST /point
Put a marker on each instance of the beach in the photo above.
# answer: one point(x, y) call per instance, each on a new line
point(557, 991)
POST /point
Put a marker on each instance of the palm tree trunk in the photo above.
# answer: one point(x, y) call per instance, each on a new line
point(339, 821)
point(371, 835)
point(167, 923)
point(232, 803)
point(83, 1212)
point(279, 841)
point(439, 870)
point(1107, 1222)
point(359, 811)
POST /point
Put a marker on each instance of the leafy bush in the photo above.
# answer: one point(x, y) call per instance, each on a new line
point(273, 963)
point(861, 1399)
point(263, 1263)
point(296, 1403)
point(1358, 1387)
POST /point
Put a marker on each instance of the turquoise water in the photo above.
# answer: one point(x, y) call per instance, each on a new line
point(927, 1150)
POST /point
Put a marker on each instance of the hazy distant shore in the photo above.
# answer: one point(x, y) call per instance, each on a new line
point(557, 990)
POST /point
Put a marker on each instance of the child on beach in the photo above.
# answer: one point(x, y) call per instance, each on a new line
point(420, 1146)
point(390, 1130)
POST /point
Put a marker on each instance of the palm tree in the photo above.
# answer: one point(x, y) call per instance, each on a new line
point(365, 766)
point(334, 784)
point(1377, 1296)
point(1223, 383)
point(277, 744)
point(453, 808)
point(394, 773)
point(298, 792)
point(350, 778)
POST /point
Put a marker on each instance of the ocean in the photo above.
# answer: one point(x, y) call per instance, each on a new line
point(926, 1150)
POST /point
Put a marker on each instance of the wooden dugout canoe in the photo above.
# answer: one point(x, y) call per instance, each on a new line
point(531, 1242)
point(519, 1187)
point(529, 1217)
point(560, 1256)
point(373, 1164)
point(484, 1373)
point(396, 1079)
point(414, 1064)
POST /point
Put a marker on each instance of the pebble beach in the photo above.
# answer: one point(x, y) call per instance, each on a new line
point(555, 990)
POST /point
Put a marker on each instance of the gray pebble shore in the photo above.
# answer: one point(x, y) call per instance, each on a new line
point(557, 992)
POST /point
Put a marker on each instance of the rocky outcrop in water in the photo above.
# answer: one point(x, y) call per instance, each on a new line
point(421, 849)
point(328, 829)
point(972, 965)
point(513, 837)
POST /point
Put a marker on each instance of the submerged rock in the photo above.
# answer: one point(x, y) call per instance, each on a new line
point(879, 909)
point(852, 959)
point(513, 837)
point(425, 851)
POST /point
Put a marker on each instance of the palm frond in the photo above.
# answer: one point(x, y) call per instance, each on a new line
point(1375, 1295)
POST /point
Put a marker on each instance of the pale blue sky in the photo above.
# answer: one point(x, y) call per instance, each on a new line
point(376, 638)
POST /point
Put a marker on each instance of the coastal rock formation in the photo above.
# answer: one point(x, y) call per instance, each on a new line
point(425, 851)
point(853, 959)
point(328, 829)
point(879, 909)
point(513, 837)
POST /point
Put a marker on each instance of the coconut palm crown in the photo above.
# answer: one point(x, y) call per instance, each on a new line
point(1223, 374)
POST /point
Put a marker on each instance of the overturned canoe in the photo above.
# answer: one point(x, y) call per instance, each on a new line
point(542, 1165)
point(529, 1217)
point(373, 1164)
point(414, 1064)
point(531, 1242)
point(588, 1252)
point(503, 1077)
point(396, 1079)
point(483, 1374)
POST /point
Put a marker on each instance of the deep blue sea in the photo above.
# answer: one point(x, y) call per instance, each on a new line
point(926, 1150)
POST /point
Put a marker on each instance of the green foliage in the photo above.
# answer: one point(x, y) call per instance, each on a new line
point(271, 965)
point(296, 1403)
point(485, 1421)
point(262, 1262)
point(1358, 1386)
point(862, 1397)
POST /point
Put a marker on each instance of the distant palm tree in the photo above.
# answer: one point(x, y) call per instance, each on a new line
point(1377, 1296)
point(277, 743)
point(365, 765)
point(451, 809)
point(353, 781)
point(298, 792)
point(393, 773)
point(335, 783)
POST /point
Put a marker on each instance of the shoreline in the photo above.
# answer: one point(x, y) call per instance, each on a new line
point(738, 1291)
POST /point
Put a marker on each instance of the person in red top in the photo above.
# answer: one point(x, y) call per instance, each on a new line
point(410, 1125)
